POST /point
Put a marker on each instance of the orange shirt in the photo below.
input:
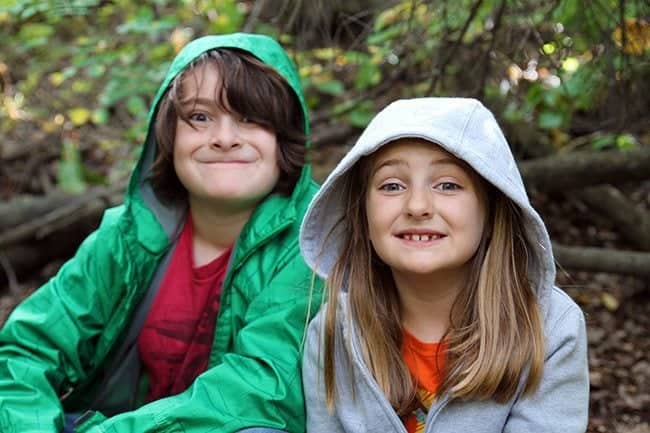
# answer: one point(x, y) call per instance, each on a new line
point(425, 361)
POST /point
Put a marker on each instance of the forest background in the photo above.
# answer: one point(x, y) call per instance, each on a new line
point(569, 81)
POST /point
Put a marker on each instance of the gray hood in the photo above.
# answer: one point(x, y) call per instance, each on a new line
point(464, 128)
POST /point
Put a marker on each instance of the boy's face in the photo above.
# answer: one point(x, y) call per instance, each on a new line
point(223, 160)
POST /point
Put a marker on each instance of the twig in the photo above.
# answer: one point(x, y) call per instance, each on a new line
point(14, 289)
point(254, 16)
point(439, 70)
point(486, 56)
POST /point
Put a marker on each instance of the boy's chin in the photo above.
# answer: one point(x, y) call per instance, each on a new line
point(230, 200)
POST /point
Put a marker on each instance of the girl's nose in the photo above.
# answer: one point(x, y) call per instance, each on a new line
point(224, 133)
point(420, 203)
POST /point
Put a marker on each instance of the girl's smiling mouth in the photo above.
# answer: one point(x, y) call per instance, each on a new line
point(419, 235)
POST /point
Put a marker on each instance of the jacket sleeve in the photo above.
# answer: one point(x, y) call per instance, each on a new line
point(257, 384)
point(561, 402)
point(319, 418)
point(49, 341)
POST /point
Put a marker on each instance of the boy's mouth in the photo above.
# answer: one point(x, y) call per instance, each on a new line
point(225, 161)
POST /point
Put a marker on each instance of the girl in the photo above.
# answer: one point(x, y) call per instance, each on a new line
point(185, 310)
point(442, 315)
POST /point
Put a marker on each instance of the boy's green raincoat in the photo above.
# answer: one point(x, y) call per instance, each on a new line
point(62, 338)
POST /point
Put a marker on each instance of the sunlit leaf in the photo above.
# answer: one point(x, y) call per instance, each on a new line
point(626, 142)
point(570, 64)
point(609, 301)
point(56, 78)
point(79, 116)
point(637, 36)
point(548, 48)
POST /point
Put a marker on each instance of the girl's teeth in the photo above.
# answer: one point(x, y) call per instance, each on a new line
point(417, 237)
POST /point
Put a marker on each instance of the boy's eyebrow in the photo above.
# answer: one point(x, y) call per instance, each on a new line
point(198, 101)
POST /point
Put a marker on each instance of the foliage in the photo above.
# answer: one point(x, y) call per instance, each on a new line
point(84, 71)
point(104, 62)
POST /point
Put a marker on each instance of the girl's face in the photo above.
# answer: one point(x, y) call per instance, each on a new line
point(426, 212)
point(219, 157)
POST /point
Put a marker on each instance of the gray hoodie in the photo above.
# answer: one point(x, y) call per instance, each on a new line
point(466, 129)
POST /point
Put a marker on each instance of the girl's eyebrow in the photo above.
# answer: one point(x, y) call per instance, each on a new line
point(388, 163)
point(445, 160)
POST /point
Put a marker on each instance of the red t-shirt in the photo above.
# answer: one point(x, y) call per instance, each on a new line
point(176, 339)
point(425, 361)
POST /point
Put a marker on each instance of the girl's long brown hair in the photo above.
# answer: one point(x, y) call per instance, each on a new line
point(495, 338)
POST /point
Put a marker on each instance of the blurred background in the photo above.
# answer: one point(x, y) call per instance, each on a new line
point(568, 80)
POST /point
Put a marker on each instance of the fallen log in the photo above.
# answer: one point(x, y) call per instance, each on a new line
point(54, 213)
point(603, 260)
point(580, 169)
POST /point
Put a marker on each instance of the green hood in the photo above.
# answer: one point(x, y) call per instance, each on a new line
point(266, 49)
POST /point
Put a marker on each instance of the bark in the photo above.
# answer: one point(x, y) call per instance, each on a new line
point(603, 260)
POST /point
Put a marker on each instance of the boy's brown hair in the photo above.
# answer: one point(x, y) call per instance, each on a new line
point(249, 88)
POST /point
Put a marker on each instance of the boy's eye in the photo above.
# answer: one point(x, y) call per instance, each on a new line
point(447, 186)
point(248, 121)
point(391, 187)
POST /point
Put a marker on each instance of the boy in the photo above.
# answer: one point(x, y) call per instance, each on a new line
point(185, 310)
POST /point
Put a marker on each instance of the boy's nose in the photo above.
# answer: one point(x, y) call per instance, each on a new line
point(225, 133)
point(420, 203)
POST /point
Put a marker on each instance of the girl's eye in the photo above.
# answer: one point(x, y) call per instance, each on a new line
point(391, 187)
point(198, 117)
point(447, 186)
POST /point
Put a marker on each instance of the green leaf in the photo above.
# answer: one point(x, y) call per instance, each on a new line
point(361, 115)
point(70, 170)
point(367, 76)
point(550, 120)
point(100, 116)
point(330, 87)
point(136, 106)
point(603, 141)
